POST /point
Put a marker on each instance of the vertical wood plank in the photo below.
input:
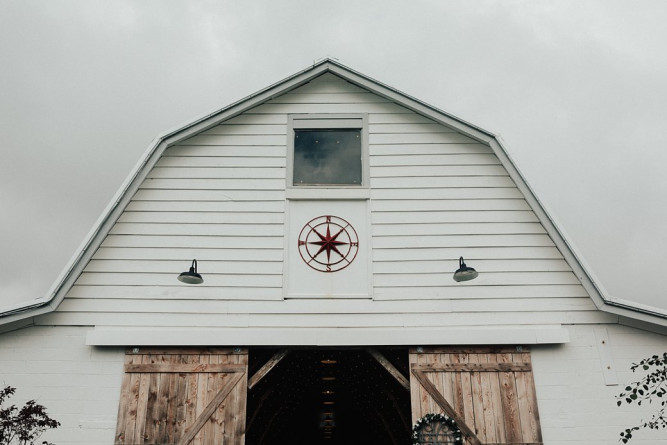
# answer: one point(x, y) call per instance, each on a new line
point(191, 391)
point(131, 419)
point(142, 403)
point(496, 408)
point(442, 379)
point(451, 389)
point(425, 399)
point(466, 394)
point(171, 401)
point(508, 396)
point(123, 405)
point(181, 396)
point(431, 406)
point(162, 404)
point(527, 401)
point(240, 410)
point(477, 399)
point(152, 419)
point(415, 389)
point(457, 389)
point(227, 408)
point(487, 404)
point(218, 417)
point(202, 392)
point(469, 397)
point(208, 430)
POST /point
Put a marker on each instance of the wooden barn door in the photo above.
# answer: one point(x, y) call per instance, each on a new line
point(488, 391)
point(183, 396)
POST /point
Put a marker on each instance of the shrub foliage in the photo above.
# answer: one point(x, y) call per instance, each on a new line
point(22, 426)
point(652, 387)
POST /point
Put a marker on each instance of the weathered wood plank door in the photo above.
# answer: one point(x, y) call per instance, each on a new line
point(183, 396)
point(488, 391)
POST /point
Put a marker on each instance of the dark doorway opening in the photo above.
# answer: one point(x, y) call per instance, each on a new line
point(328, 396)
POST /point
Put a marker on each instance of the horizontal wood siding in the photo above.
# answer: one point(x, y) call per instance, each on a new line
point(220, 197)
point(437, 196)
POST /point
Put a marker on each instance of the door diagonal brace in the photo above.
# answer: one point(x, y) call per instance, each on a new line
point(192, 431)
point(446, 407)
point(391, 369)
point(266, 368)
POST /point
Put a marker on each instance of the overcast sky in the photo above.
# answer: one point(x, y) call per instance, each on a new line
point(576, 89)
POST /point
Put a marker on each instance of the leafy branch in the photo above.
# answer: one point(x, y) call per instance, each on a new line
point(23, 426)
point(653, 386)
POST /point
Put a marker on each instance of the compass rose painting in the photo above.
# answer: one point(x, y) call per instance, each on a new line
point(328, 243)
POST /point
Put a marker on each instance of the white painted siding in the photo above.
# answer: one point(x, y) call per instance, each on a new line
point(220, 197)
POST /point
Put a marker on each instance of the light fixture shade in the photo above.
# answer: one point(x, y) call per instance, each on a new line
point(464, 273)
point(191, 276)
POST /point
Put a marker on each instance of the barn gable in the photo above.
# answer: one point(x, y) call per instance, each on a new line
point(328, 311)
point(217, 190)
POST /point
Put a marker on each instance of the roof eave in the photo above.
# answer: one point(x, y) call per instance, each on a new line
point(598, 294)
point(131, 184)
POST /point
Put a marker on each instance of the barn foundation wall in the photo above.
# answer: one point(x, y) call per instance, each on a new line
point(576, 405)
point(80, 385)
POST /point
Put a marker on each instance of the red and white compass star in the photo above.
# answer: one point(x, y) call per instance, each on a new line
point(328, 243)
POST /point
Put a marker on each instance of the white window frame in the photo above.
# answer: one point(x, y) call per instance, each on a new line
point(328, 122)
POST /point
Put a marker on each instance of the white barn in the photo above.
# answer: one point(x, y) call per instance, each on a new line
point(327, 214)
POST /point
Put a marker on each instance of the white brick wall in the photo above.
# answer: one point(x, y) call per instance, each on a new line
point(576, 406)
point(79, 385)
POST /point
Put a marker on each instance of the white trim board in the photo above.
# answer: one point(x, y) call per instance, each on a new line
point(480, 335)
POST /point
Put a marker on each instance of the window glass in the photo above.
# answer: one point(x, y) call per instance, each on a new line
point(327, 157)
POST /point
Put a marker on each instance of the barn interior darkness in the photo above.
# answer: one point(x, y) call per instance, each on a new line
point(328, 396)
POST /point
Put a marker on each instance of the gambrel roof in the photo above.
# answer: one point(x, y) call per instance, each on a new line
point(57, 293)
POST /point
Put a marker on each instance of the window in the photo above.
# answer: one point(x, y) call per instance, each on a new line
point(327, 151)
point(327, 157)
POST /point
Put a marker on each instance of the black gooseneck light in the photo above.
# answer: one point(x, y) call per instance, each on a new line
point(464, 273)
point(191, 276)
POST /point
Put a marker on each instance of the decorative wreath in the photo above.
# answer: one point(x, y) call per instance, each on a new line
point(429, 418)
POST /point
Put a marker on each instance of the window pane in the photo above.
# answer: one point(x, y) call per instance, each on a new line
point(327, 157)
